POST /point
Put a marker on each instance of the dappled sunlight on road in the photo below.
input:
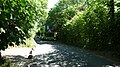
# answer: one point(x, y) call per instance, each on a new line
point(43, 49)
point(16, 51)
point(54, 54)
point(39, 49)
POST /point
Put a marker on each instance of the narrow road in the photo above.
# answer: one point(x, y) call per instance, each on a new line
point(54, 54)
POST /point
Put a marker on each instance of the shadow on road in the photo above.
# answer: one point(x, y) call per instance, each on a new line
point(39, 41)
point(17, 60)
point(61, 56)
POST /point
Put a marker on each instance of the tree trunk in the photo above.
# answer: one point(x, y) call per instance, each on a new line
point(112, 10)
point(0, 54)
point(111, 23)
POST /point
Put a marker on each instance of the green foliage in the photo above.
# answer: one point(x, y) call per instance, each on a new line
point(62, 12)
point(30, 42)
point(92, 24)
point(20, 19)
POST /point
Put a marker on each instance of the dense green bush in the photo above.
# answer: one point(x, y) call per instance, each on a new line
point(92, 24)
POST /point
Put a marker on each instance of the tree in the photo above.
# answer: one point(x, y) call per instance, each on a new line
point(18, 18)
point(62, 12)
point(93, 24)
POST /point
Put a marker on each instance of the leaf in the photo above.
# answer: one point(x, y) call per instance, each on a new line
point(14, 3)
point(6, 10)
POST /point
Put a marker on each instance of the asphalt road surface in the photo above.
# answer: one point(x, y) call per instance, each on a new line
point(55, 54)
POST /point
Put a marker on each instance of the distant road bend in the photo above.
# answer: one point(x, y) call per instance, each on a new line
point(54, 54)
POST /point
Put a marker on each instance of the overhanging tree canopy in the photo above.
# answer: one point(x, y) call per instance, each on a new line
point(92, 24)
point(18, 18)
